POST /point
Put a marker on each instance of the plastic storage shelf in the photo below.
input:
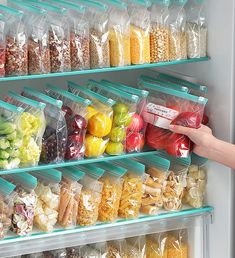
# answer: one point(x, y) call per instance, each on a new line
point(103, 70)
point(197, 220)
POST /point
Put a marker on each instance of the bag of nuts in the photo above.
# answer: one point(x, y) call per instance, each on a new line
point(159, 34)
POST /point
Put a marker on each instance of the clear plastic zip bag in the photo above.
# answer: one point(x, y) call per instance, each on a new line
point(136, 247)
point(156, 245)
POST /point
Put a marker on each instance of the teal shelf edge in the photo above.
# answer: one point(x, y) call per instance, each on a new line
point(74, 163)
point(104, 70)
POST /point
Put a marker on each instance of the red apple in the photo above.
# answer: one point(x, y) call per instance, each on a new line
point(137, 123)
point(134, 142)
point(68, 111)
point(79, 122)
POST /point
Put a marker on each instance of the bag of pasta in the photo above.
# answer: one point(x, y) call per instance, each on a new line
point(90, 198)
point(69, 196)
point(156, 245)
point(178, 39)
point(112, 191)
point(123, 111)
point(140, 31)
point(154, 186)
point(196, 182)
point(133, 188)
point(159, 35)
point(75, 108)
point(32, 123)
point(54, 139)
point(99, 116)
point(136, 247)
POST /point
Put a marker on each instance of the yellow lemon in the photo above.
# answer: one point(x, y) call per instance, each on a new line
point(94, 146)
point(90, 112)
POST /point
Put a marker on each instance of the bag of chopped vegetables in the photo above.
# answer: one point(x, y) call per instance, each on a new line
point(25, 203)
point(136, 247)
point(154, 186)
point(48, 197)
point(69, 196)
point(196, 182)
point(6, 206)
point(16, 63)
point(75, 108)
point(140, 31)
point(133, 188)
point(32, 123)
point(123, 111)
point(35, 20)
point(99, 116)
point(112, 191)
point(156, 245)
point(10, 135)
point(90, 198)
point(54, 139)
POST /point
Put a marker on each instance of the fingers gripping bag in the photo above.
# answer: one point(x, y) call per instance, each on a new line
point(24, 203)
point(48, 197)
point(32, 123)
point(154, 186)
point(156, 245)
point(112, 191)
point(168, 106)
point(10, 135)
point(69, 197)
point(196, 182)
point(54, 139)
point(133, 188)
point(159, 35)
point(75, 108)
point(123, 111)
point(196, 29)
point(35, 20)
point(136, 247)
point(140, 31)
point(16, 62)
point(90, 198)
point(6, 206)
point(136, 130)
point(177, 21)
point(99, 116)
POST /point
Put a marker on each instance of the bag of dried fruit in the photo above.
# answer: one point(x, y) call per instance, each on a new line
point(91, 194)
point(75, 108)
point(24, 203)
point(177, 21)
point(112, 191)
point(6, 206)
point(59, 36)
point(100, 118)
point(48, 197)
point(135, 138)
point(154, 186)
point(16, 42)
point(11, 135)
point(54, 139)
point(140, 31)
point(159, 34)
point(167, 106)
point(69, 196)
point(35, 20)
point(156, 245)
point(123, 111)
point(32, 123)
point(133, 188)
point(196, 29)
point(136, 247)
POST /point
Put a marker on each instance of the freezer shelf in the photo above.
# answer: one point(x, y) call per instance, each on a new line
point(197, 219)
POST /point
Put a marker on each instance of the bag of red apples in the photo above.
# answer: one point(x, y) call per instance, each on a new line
point(167, 107)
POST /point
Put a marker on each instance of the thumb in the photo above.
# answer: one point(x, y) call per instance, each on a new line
point(180, 129)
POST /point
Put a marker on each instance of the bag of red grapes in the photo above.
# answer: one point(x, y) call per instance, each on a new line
point(75, 109)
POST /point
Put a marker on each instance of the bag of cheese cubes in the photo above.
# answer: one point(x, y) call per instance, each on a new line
point(112, 191)
point(6, 206)
point(90, 198)
point(196, 182)
point(133, 188)
point(48, 197)
point(123, 111)
point(69, 196)
point(99, 117)
point(154, 186)
point(32, 123)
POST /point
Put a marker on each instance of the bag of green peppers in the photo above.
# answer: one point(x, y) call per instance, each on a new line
point(32, 123)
